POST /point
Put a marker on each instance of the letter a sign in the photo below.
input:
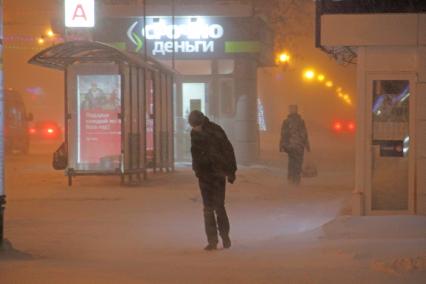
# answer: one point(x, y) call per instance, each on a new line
point(79, 13)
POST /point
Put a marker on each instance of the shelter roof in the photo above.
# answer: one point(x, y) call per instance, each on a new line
point(62, 55)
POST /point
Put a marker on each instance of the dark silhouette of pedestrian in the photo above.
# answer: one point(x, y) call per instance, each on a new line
point(294, 140)
point(213, 160)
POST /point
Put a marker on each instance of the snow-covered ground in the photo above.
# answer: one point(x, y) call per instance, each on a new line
point(99, 232)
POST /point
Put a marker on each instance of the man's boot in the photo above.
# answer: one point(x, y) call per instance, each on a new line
point(211, 247)
point(226, 242)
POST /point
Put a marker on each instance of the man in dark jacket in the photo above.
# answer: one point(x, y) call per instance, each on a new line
point(294, 140)
point(213, 160)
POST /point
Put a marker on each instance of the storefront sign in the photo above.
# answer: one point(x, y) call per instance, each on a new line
point(187, 35)
point(99, 128)
point(79, 13)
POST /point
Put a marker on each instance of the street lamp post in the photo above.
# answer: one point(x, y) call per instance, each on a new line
point(2, 207)
point(2, 193)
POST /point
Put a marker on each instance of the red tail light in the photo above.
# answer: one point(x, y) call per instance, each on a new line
point(50, 131)
point(337, 126)
point(32, 130)
point(351, 126)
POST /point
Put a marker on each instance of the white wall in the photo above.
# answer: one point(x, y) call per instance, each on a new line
point(390, 59)
point(372, 29)
point(421, 132)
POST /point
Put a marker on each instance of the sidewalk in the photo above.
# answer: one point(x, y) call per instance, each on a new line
point(99, 232)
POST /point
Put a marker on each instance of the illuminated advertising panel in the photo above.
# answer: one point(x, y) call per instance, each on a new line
point(79, 13)
point(188, 35)
point(98, 124)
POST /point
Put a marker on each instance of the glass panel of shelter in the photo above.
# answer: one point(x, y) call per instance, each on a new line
point(141, 101)
point(164, 127)
point(134, 135)
point(149, 119)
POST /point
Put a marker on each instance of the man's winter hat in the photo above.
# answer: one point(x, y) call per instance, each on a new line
point(196, 118)
point(292, 108)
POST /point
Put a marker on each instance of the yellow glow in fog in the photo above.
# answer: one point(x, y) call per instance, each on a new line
point(50, 33)
point(284, 57)
point(309, 74)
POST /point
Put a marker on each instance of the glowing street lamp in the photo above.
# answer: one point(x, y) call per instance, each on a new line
point(321, 77)
point(348, 101)
point(309, 74)
point(40, 40)
point(339, 90)
point(50, 33)
point(284, 57)
point(329, 84)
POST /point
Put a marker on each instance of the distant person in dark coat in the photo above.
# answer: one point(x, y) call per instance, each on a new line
point(294, 141)
point(213, 160)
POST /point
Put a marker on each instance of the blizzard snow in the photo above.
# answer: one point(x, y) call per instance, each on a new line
point(99, 232)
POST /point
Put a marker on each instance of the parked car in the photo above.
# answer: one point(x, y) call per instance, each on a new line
point(16, 123)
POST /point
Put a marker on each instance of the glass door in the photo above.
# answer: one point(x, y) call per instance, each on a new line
point(194, 97)
point(391, 148)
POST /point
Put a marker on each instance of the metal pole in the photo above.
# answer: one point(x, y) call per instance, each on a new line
point(129, 135)
point(173, 65)
point(172, 124)
point(166, 110)
point(67, 117)
point(138, 122)
point(318, 12)
point(154, 123)
point(145, 45)
point(122, 122)
point(173, 34)
point(2, 208)
point(145, 52)
point(160, 106)
point(2, 192)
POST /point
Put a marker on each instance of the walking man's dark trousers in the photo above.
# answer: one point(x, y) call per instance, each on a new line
point(213, 194)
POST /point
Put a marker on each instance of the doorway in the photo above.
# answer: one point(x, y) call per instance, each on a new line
point(391, 157)
point(193, 97)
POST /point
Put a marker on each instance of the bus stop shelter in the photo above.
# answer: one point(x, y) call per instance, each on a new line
point(118, 113)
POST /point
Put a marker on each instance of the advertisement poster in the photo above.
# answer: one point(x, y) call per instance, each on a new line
point(99, 128)
point(390, 148)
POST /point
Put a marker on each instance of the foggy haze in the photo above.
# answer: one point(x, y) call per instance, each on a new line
point(134, 190)
point(26, 21)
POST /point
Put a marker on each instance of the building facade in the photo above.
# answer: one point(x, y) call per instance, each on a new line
point(389, 43)
point(215, 47)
